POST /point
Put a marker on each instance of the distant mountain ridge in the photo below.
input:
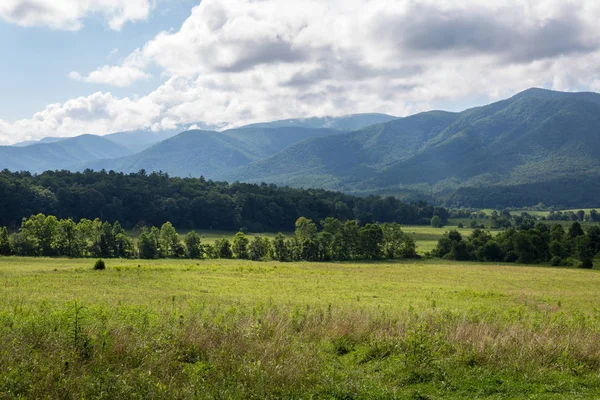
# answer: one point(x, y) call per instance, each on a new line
point(208, 153)
point(535, 136)
point(489, 155)
point(344, 123)
point(62, 154)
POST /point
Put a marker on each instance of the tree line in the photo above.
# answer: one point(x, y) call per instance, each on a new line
point(142, 199)
point(525, 244)
point(336, 240)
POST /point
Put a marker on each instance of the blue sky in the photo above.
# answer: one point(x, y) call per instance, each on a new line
point(100, 66)
point(40, 58)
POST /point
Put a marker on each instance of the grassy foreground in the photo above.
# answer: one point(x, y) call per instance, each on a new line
point(233, 329)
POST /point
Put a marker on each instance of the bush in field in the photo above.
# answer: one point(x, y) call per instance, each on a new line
point(436, 222)
point(99, 265)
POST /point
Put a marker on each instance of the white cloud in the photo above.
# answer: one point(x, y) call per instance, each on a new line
point(244, 61)
point(68, 14)
point(124, 75)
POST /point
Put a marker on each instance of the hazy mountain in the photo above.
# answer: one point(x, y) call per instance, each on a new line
point(43, 140)
point(141, 139)
point(534, 136)
point(62, 154)
point(136, 140)
point(345, 123)
point(209, 153)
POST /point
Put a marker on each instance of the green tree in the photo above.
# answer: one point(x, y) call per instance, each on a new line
point(332, 225)
point(436, 222)
point(107, 240)
point(193, 245)
point(584, 251)
point(350, 240)
point(280, 249)
point(24, 245)
point(396, 244)
point(40, 231)
point(223, 248)
point(258, 249)
point(371, 239)
point(594, 234)
point(240, 246)
point(557, 233)
point(325, 240)
point(5, 249)
point(124, 247)
point(170, 244)
point(576, 230)
point(148, 244)
point(305, 229)
point(69, 241)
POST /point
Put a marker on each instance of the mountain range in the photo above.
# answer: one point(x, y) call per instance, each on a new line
point(484, 156)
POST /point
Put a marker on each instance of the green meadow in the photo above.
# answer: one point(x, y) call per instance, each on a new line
point(236, 329)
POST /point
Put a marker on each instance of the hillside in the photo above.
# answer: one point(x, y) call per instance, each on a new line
point(209, 153)
point(533, 137)
point(62, 154)
point(501, 154)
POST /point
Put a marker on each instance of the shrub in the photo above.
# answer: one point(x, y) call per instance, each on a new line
point(556, 261)
point(460, 225)
point(436, 222)
point(99, 265)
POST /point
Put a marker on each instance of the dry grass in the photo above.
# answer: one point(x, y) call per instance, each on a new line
point(232, 329)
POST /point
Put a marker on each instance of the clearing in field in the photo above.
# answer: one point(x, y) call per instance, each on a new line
point(238, 329)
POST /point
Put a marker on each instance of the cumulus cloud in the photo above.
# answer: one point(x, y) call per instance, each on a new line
point(245, 61)
point(130, 71)
point(68, 14)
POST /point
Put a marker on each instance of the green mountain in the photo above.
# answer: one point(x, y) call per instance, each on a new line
point(209, 153)
point(345, 123)
point(535, 136)
point(62, 154)
point(537, 146)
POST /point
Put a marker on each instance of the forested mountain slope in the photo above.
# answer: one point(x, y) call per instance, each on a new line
point(208, 153)
point(535, 136)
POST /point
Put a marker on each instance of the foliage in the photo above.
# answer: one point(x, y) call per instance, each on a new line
point(99, 265)
point(524, 244)
point(436, 222)
point(45, 235)
point(240, 246)
point(141, 199)
point(193, 245)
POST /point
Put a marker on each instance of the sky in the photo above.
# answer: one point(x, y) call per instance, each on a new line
point(71, 67)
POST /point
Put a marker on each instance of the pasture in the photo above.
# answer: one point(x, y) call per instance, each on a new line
point(238, 329)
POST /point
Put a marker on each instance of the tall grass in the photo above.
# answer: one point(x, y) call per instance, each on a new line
point(232, 329)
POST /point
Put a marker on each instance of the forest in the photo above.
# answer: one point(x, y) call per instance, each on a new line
point(525, 244)
point(152, 199)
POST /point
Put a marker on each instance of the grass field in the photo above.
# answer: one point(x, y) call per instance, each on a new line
point(237, 329)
